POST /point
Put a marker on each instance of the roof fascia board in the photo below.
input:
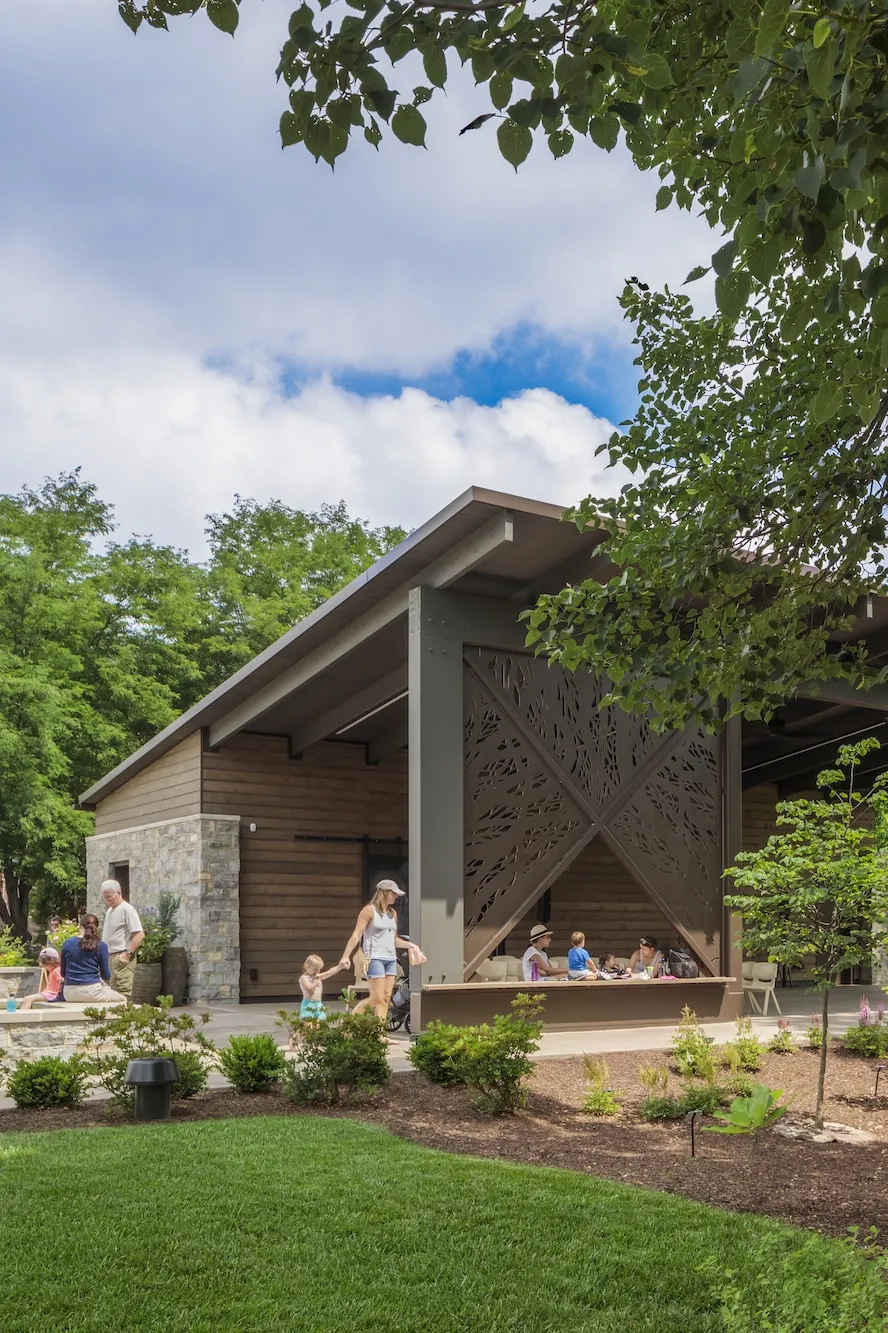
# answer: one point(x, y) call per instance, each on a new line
point(497, 532)
point(350, 710)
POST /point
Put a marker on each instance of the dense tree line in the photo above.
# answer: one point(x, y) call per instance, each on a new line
point(103, 642)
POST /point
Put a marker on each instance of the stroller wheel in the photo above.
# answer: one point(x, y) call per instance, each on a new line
point(407, 1028)
point(392, 1023)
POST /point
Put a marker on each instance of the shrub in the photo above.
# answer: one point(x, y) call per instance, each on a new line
point(66, 931)
point(661, 1108)
point(345, 1055)
point(745, 1051)
point(738, 1085)
point(690, 1045)
point(870, 1041)
point(497, 1058)
point(833, 1288)
point(655, 1078)
point(157, 937)
point(705, 1097)
point(142, 1031)
point(439, 1053)
point(252, 1064)
point(814, 1032)
point(47, 1081)
point(783, 1042)
point(600, 1097)
point(12, 950)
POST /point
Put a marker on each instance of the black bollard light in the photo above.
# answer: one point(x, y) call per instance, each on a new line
point(692, 1118)
point(153, 1080)
point(879, 1069)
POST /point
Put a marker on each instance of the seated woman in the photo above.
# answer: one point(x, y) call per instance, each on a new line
point(52, 990)
point(647, 959)
point(86, 966)
point(535, 963)
point(609, 969)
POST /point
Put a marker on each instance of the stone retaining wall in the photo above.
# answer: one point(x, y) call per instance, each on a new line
point(197, 858)
point(18, 981)
point(25, 1036)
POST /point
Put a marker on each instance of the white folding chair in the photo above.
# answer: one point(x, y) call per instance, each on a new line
point(763, 981)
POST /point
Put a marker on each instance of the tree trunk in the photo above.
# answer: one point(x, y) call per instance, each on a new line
point(14, 905)
point(824, 1049)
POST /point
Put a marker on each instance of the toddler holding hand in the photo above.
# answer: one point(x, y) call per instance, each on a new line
point(311, 983)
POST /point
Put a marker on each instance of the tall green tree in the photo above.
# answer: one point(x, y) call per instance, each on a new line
point(759, 445)
point(817, 892)
point(271, 565)
point(104, 642)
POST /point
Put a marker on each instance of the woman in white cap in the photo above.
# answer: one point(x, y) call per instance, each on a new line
point(377, 928)
point(536, 957)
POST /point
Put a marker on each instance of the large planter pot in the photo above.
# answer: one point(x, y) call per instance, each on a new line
point(175, 974)
point(18, 981)
point(147, 983)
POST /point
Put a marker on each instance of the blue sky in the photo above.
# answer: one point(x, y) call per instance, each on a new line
point(189, 312)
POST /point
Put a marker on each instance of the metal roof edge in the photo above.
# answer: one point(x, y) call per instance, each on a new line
point(193, 718)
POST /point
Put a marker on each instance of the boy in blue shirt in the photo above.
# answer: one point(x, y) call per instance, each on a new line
point(579, 964)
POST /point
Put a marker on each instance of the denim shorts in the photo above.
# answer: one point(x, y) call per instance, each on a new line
point(382, 967)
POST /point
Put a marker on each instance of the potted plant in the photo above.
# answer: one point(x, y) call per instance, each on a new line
point(175, 959)
point(148, 976)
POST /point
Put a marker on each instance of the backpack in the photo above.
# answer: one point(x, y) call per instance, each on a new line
point(679, 963)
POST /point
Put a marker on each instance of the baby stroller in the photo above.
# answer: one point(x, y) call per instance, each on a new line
point(399, 1007)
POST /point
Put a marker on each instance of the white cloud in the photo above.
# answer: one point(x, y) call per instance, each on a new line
point(169, 440)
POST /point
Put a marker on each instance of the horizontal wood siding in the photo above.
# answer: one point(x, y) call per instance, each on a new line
point(597, 895)
point(300, 897)
point(759, 816)
point(167, 789)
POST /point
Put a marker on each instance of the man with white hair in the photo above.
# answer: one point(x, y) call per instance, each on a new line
point(122, 932)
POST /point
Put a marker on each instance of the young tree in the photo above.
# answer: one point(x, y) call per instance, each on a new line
point(818, 892)
point(762, 446)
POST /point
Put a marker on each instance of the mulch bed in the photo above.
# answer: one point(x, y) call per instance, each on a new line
point(827, 1187)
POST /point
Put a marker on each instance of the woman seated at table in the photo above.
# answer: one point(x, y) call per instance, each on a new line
point(647, 959)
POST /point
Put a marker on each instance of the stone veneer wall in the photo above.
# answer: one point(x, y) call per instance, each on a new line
point(197, 858)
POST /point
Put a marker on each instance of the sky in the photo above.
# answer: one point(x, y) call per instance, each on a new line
point(188, 312)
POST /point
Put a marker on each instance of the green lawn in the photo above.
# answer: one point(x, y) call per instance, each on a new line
point(311, 1225)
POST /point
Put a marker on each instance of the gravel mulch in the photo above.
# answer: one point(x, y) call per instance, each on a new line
point(827, 1187)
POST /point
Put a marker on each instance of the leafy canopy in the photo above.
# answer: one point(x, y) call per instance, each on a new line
point(103, 643)
point(760, 440)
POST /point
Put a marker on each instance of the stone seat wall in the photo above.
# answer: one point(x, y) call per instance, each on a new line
point(48, 1031)
point(18, 981)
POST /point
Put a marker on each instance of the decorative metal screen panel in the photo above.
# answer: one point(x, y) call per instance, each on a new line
point(519, 821)
point(547, 769)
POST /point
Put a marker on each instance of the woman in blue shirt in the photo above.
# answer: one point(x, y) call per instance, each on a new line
point(86, 966)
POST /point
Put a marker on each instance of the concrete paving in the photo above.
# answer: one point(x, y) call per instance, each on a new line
point(797, 1003)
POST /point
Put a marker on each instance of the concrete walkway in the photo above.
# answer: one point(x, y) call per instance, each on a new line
point(796, 1002)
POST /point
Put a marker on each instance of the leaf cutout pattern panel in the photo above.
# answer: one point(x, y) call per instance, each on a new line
point(671, 832)
point(519, 820)
point(598, 749)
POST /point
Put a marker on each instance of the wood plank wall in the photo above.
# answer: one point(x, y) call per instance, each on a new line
point(300, 897)
point(167, 789)
point(596, 894)
point(759, 816)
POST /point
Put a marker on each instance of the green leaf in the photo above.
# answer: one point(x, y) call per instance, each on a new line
point(822, 29)
point(657, 73)
point(664, 197)
point(826, 403)
point(772, 26)
point(723, 259)
point(749, 75)
point(130, 15)
point(301, 18)
point(434, 62)
point(515, 142)
point(604, 131)
point(290, 129)
point(813, 236)
point(409, 126)
point(560, 142)
point(820, 63)
point(809, 178)
point(513, 17)
point(223, 14)
point(373, 134)
point(732, 293)
point(696, 273)
point(501, 89)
